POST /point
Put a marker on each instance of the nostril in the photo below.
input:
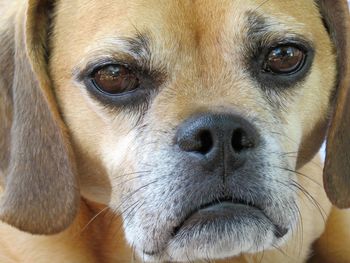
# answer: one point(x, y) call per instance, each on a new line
point(240, 140)
point(200, 141)
point(206, 142)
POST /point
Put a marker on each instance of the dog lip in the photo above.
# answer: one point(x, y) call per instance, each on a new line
point(206, 206)
point(211, 205)
point(223, 208)
point(150, 253)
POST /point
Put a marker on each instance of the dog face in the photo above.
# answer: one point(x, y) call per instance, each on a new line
point(196, 112)
point(190, 118)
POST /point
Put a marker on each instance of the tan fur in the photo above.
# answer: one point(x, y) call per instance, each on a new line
point(90, 134)
point(95, 239)
point(27, 199)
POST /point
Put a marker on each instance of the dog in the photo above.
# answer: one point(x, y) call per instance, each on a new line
point(174, 131)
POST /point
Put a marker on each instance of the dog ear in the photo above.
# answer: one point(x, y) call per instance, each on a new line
point(337, 164)
point(41, 190)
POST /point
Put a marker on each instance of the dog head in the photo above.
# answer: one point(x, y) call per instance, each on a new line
point(189, 119)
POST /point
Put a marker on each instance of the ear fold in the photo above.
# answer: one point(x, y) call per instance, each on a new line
point(337, 165)
point(41, 190)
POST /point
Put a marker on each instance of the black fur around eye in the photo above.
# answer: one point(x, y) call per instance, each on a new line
point(118, 84)
point(281, 65)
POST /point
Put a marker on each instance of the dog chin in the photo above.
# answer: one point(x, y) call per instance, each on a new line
point(220, 232)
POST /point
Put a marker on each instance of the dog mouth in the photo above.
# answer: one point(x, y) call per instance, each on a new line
point(223, 209)
point(215, 219)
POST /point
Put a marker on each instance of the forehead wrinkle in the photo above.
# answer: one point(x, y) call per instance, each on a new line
point(270, 28)
point(134, 52)
point(119, 48)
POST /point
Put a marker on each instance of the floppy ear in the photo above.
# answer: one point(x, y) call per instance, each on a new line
point(337, 165)
point(41, 190)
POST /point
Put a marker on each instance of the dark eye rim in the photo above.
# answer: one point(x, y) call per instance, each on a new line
point(131, 99)
point(269, 81)
point(302, 48)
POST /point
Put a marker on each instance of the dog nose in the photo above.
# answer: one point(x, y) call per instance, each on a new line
point(217, 139)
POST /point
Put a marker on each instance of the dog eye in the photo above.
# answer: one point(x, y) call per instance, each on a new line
point(284, 60)
point(115, 79)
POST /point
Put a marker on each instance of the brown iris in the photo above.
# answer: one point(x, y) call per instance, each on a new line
point(284, 60)
point(115, 79)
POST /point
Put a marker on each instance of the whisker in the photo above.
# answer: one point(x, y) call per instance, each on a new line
point(312, 200)
point(133, 252)
point(303, 158)
point(262, 255)
point(128, 174)
point(134, 192)
point(133, 178)
point(281, 251)
point(128, 217)
point(301, 230)
point(260, 5)
point(94, 218)
point(285, 136)
point(299, 173)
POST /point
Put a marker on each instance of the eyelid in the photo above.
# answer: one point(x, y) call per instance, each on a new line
point(90, 67)
point(153, 75)
point(96, 67)
point(273, 38)
point(80, 73)
point(298, 43)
